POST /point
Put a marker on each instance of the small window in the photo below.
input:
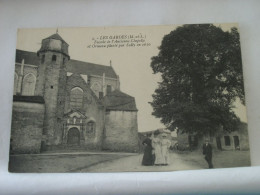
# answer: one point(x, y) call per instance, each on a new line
point(227, 140)
point(109, 89)
point(63, 61)
point(100, 95)
point(43, 59)
point(91, 127)
point(54, 57)
point(51, 87)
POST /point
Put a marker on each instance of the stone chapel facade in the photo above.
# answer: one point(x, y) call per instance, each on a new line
point(64, 103)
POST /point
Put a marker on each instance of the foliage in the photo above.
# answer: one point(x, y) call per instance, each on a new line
point(201, 72)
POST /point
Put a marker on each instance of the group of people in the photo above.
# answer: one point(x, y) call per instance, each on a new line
point(156, 150)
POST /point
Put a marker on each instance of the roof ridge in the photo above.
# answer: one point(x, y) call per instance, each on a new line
point(118, 90)
point(26, 51)
point(125, 103)
point(91, 63)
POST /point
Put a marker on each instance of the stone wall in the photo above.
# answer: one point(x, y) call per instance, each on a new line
point(48, 84)
point(92, 108)
point(121, 131)
point(27, 125)
point(114, 83)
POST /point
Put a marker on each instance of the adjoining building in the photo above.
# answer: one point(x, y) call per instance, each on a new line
point(64, 103)
point(221, 140)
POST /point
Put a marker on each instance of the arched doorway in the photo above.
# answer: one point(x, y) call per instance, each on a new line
point(73, 136)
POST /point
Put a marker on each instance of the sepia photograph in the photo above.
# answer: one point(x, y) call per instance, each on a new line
point(128, 99)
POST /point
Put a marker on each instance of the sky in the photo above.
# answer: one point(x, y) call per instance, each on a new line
point(132, 64)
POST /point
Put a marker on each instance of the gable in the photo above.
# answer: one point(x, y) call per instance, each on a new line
point(76, 114)
point(75, 80)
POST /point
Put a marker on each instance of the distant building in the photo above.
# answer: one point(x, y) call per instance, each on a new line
point(64, 103)
point(221, 140)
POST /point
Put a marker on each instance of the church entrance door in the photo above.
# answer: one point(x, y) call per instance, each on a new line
point(73, 136)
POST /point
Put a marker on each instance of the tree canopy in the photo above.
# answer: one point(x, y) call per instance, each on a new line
point(201, 70)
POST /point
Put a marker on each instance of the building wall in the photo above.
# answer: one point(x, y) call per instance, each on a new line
point(51, 79)
point(91, 108)
point(114, 83)
point(241, 133)
point(45, 123)
point(27, 125)
point(95, 141)
point(121, 131)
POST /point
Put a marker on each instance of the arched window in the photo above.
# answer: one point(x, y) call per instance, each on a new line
point(76, 98)
point(96, 88)
point(15, 82)
point(29, 82)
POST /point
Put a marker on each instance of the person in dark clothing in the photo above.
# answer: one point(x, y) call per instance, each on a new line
point(148, 158)
point(207, 151)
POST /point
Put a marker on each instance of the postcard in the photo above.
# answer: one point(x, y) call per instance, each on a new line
point(128, 99)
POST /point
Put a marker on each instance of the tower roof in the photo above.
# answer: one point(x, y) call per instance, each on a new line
point(56, 36)
point(48, 44)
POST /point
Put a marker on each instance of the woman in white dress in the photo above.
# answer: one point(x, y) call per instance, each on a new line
point(165, 144)
point(157, 146)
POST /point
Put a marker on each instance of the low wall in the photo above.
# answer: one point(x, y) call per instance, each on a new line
point(121, 131)
point(27, 126)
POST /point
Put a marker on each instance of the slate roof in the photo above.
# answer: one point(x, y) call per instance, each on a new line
point(73, 66)
point(29, 57)
point(117, 100)
point(87, 68)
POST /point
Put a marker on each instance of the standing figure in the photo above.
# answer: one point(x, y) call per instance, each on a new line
point(148, 159)
point(157, 146)
point(166, 143)
point(207, 151)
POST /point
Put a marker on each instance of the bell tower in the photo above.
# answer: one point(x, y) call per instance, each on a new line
point(51, 85)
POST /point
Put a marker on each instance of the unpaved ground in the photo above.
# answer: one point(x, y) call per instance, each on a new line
point(119, 162)
point(133, 163)
point(58, 162)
